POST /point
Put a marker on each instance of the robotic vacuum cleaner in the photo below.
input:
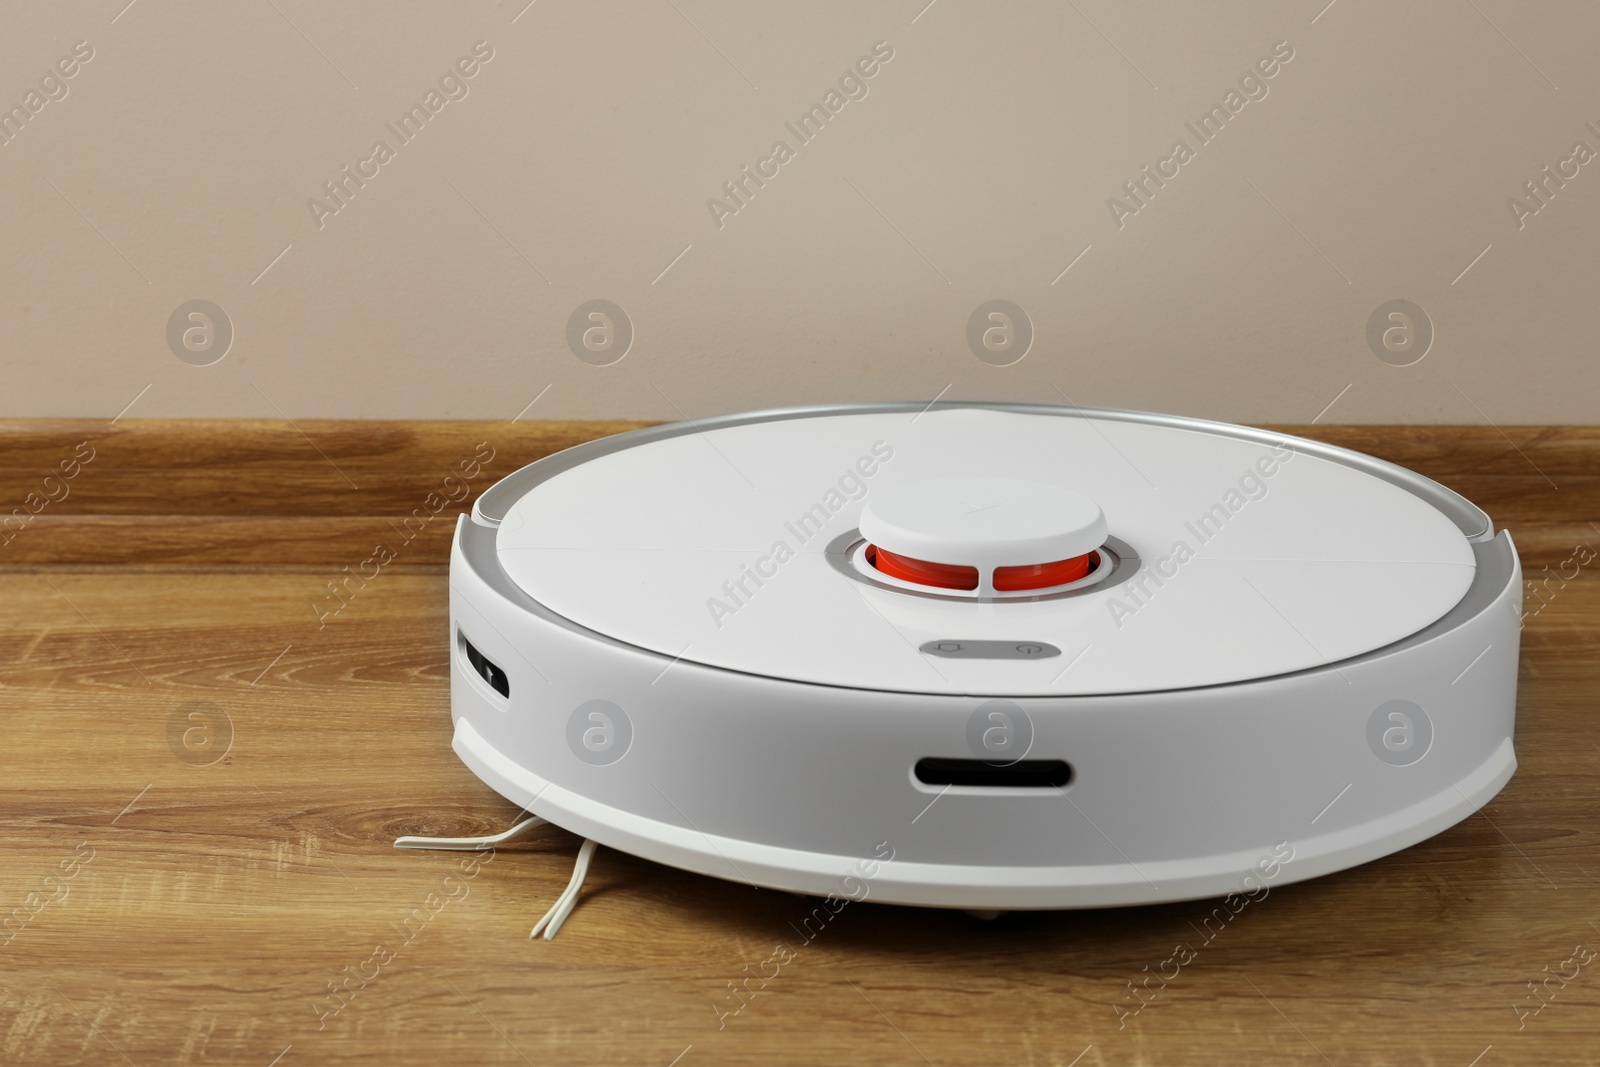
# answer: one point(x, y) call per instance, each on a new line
point(984, 656)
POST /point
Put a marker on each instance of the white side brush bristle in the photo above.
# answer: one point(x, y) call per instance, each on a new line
point(466, 844)
point(569, 897)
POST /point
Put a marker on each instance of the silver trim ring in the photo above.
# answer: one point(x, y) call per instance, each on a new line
point(1473, 522)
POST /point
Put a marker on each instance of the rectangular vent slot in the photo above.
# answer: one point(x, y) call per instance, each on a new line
point(487, 670)
point(1023, 774)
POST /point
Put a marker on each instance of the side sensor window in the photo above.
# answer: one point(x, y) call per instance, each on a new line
point(487, 670)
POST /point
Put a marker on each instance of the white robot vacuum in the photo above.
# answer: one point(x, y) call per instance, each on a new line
point(984, 656)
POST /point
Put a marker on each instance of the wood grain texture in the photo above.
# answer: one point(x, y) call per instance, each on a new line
point(210, 904)
point(242, 488)
point(246, 492)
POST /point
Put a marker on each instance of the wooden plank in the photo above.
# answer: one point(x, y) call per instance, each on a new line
point(248, 492)
point(219, 901)
point(324, 541)
point(315, 493)
point(255, 467)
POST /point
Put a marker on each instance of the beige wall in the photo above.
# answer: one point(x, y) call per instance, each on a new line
point(1378, 166)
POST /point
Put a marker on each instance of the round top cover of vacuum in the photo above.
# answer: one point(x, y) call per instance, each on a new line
point(1225, 559)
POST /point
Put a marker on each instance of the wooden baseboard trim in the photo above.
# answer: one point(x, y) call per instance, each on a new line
point(326, 492)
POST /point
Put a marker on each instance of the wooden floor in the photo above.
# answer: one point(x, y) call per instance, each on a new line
point(172, 899)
